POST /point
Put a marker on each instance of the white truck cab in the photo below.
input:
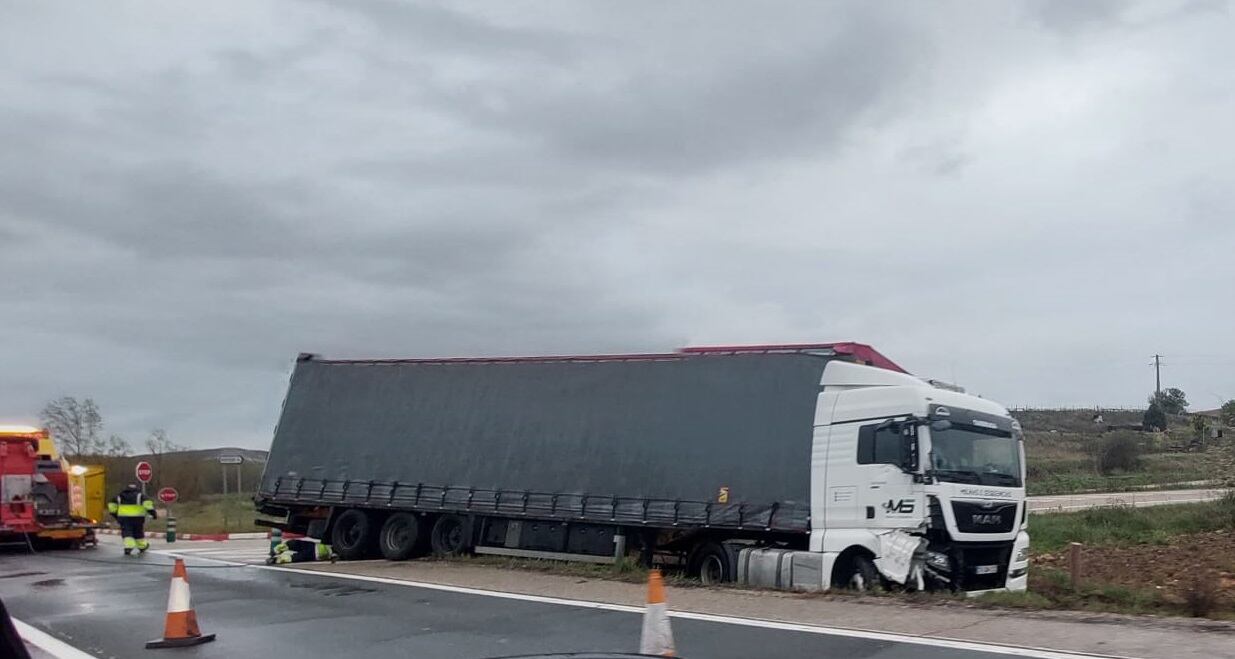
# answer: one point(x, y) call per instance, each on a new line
point(924, 485)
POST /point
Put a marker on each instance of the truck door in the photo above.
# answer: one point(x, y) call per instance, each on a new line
point(887, 495)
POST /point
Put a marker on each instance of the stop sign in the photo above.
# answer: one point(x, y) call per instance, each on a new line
point(168, 495)
point(144, 471)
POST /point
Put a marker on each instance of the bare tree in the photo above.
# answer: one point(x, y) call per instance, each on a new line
point(75, 425)
point(159, 443)
point(118, 447)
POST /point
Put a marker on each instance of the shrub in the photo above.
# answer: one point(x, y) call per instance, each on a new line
point(1118, 453)
point(1226, 510)
point(1155, 417)
point(1201, 595)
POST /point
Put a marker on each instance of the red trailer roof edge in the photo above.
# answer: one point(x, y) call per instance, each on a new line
point(859, 351)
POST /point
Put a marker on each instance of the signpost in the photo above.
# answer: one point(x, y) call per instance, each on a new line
point(144, 473)
point(168, 496)
point(237, 460)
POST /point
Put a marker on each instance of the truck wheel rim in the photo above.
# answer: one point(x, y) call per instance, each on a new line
point(351, 534)
point(454, 537)
point(398, 536)
point(710, 570)
point(857, 581)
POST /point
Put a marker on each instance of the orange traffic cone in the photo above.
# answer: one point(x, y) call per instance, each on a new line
point(657, 637)
point(180, 630)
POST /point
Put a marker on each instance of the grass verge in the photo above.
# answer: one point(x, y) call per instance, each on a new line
point(233, 513)
point(1121, 526)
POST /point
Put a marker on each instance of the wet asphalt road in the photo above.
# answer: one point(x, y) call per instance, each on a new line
point(110, 608)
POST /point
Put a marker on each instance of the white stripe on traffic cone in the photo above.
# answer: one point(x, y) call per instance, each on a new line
point(657, 636)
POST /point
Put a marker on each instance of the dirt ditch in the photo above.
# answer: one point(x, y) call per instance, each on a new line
point(1180, 570)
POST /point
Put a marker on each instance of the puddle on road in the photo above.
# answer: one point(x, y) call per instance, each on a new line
point(48, 583)
point(332, 590)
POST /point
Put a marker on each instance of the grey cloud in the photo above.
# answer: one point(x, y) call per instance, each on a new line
point(672, 120)
point(1072, 15)
point(183, 209)
point(438, 27)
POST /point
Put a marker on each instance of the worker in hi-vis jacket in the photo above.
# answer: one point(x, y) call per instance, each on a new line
point(130, 508)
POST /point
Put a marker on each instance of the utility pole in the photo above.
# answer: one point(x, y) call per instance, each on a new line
point(1157, 376)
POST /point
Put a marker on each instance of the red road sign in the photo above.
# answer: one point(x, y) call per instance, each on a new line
point(144, 471)
point(168, 495)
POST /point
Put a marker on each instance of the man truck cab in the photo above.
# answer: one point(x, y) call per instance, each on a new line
point(924, 484)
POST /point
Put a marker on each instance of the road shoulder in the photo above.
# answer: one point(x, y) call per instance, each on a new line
point(1102, 634)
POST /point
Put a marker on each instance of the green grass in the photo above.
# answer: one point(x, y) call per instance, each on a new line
point(1064, 463)
point(211, 514)
point(1129, 526)
point(1050, 589)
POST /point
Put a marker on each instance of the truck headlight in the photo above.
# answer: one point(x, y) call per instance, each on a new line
point(1022, 555)
point(939, 561)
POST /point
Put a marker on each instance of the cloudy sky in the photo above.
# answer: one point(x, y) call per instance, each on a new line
point(1030, 198)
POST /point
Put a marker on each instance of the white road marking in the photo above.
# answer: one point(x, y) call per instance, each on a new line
point(194, 557)
point(48, 643)
point(954, 644)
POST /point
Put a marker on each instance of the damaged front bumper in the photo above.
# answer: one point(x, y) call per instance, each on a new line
point(970, 567)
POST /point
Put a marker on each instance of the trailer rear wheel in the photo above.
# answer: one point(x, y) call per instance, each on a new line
point(353, 535)
point(400, 538)
point(448, 534)
point(711, 564)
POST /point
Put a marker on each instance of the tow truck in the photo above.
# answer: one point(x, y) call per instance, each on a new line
point(37, 487)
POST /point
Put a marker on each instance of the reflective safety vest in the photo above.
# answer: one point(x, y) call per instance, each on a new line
point(285, 554)
point(130, 503)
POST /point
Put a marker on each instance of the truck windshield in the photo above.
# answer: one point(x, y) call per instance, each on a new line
point(969, 454)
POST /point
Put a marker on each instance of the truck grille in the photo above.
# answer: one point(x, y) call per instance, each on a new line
point(983, 566)
point(984, 517)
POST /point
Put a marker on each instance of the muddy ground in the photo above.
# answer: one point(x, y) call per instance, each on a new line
point(1175, 571)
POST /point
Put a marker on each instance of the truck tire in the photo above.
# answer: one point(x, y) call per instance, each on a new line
point(860, 575)
point(400, 538)
point(711, 564)
point(448, 536)
point(353, 535)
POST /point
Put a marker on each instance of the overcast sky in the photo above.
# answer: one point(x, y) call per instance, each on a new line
point(1030, 198)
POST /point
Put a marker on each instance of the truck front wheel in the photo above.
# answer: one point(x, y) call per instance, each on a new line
point(448, 538)
point(710, 563)
point(353, 535)
point(859, 575)
point(400, 538)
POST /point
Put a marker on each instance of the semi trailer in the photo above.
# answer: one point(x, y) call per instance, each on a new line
point(803, 466)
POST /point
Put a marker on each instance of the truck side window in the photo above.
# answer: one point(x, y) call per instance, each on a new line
point(878, 447)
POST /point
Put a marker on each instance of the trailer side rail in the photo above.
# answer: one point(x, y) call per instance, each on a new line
point(662, 513)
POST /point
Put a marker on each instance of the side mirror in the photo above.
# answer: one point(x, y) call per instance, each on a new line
point(940, 425)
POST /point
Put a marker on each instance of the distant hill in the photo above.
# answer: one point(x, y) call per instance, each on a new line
point(194, 473)
point(1075, 420)
point(212, 454)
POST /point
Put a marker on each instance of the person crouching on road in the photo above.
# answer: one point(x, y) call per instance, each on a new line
point(301, 551)
point(130, 508)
